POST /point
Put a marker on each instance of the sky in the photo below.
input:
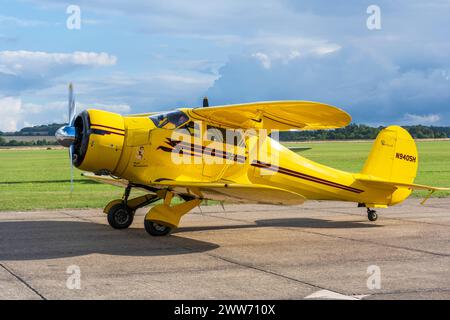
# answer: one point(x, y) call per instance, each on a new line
point(136, 56)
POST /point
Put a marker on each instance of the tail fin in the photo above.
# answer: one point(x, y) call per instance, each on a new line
point(393, 156)
point(392, 165)
point(393, 159)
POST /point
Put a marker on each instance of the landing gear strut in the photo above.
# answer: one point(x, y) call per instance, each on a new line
point(372, 214)
point(163, 218)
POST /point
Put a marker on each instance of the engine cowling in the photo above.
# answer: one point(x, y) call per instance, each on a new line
point(99, 141)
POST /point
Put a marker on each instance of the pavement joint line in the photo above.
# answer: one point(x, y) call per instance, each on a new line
point(260, 269)
point(318, 233)
point(22, 281)
point(78, 217)
point(248, 266)
point(351, 239)
point(438, 254)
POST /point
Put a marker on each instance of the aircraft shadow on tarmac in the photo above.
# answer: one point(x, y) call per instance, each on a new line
point(287, 223)
point(35, 240)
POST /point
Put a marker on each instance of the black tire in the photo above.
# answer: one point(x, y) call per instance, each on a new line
point(120, 216)
point(156, 229)
point(372, 215)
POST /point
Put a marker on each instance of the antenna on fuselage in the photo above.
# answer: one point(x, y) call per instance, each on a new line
point(205, 102)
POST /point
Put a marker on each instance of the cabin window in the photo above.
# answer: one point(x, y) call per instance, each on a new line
point(193, 128)
point(218, 134)
point(169, 120)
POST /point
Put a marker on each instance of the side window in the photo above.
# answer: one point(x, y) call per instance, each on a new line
point(193, 128)
point(169, 120)
point(230, 136)
point(236, 138)
point(215, 133)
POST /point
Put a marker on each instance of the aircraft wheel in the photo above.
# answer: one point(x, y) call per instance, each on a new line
point(156, 229)
point(372, 215)
point(120, 216)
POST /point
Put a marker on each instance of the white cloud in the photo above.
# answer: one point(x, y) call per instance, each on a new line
point(10, 108)
point(263, 58)
point(15, 114)
point(20, 62)
point(426, 119)
point(23, 70)
point(286, 48)
point(117, 108)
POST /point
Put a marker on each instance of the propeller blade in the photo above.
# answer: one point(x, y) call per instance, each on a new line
point(67, 135)
point(71, 168)
point(72, 108)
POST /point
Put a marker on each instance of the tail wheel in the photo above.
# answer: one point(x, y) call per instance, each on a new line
point(372, 215)
point(120, 216)
point(156, 229)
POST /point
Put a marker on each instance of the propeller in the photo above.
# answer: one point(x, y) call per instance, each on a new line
point(66, 135)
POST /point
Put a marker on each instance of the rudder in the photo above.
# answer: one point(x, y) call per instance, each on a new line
point(393, 156)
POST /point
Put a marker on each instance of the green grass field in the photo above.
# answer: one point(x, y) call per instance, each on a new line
point(40, 179)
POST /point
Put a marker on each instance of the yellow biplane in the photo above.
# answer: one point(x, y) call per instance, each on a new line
point(229, 153)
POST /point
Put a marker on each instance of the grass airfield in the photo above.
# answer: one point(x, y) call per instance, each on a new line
point(33, 179)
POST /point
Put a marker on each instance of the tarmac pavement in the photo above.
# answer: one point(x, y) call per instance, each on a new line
point(324, 250)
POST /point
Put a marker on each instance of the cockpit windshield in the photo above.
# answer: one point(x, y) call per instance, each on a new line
point(169, 120)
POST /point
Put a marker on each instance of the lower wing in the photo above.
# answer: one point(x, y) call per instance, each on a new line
point(229, 192)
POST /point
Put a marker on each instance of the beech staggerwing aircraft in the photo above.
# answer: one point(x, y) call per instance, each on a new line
point(229, 154)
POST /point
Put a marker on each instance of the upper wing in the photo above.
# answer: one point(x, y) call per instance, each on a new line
point(280, 115)
point(240, 193)
point(147, 114)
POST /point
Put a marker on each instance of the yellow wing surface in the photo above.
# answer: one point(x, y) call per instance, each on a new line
point(279, 115)
point(230, 192)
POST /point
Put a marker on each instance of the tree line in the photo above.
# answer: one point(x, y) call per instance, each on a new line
point(351, 132)
point(363, 132)
point(33, 143)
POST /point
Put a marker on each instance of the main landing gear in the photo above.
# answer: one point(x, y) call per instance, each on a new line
point(160, 220)
point(120, 216)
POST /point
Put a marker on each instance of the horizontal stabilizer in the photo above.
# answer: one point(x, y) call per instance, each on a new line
point(393, 184)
